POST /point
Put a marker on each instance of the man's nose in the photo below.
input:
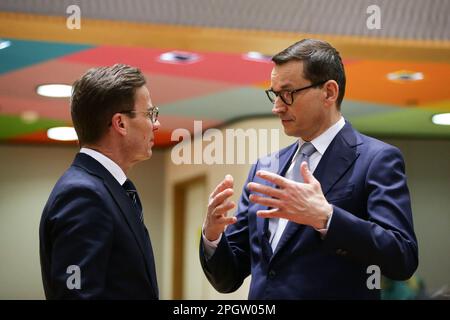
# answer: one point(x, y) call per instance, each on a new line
point(156, 125)
point(279, 107)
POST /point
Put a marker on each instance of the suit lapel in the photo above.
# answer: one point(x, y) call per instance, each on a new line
point(139, 231)
point(338, 157)
point(126, 207)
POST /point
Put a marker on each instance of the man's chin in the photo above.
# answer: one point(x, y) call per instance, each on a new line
point(146, 155)
point(289, 132)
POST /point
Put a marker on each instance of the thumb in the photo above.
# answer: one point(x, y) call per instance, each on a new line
point(306, 173)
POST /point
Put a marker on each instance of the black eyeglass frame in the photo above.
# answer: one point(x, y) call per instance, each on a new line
point(278, 93)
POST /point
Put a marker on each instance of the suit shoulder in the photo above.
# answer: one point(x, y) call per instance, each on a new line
point(75, 178)
point(75, 183)
point(75, 194)
point(375, 146)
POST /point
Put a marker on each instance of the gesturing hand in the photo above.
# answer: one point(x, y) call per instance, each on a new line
point(218, 205)
point(303, 203)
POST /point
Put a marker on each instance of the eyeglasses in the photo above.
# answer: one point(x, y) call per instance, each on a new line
point(151, 114)
point(288, 96)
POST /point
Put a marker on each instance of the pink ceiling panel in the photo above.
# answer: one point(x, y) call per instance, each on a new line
point(51, 109)
point(18, 89)
point(23, 82)
point(168, 89)
point(170, 122)
point(223, 67)
point(15, 99)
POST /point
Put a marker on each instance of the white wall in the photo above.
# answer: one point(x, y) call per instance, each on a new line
point(27, 175)
point(428, 170)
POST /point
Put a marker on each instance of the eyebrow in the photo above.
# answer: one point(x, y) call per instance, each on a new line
point(286, 86)
point(283, 87)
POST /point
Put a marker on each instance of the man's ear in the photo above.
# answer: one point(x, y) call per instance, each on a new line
point(119, 123)
point(331, 91)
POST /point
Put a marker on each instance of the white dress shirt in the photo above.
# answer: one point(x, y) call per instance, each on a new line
point(109, 165)
point(321, 144)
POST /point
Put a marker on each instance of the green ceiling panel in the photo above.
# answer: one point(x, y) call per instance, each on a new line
point(21, 54)
point(369, 118)
point(401, 123)
point(225, 106)
point(243, 102)
point(13, 126)
point(352, 108)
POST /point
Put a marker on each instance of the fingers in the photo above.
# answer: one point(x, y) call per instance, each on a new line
point(226, 183)
point(307, 174)
point(216, 217)
point(273, 177)
point(220, 198)
point(264, 201)
point(223, 208)
point(226, 220)
point(214, 225)
point(266, 190)
point(272, 213)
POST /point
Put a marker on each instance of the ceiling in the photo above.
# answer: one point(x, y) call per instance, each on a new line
point(224, 85)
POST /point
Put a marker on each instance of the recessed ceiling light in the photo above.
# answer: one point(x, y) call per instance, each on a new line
point(405, 76)
point(179, 57)
point(441, 119)
point(257, 56)
point(54, 90)
point(62, 134)
point(4, 44)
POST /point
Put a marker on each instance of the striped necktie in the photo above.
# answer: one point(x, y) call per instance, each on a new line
point(133, 195)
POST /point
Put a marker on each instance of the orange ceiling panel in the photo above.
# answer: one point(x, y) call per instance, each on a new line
point(367, 81)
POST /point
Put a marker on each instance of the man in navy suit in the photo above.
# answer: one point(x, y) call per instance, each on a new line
point(317, 219)
point(93, 242)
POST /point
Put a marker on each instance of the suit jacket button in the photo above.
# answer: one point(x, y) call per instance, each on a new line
point(272, 274)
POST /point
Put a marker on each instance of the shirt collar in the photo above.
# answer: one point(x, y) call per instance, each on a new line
point(109, 165)
point(322, 142)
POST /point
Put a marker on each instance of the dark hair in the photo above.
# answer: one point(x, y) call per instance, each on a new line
point(98, 95)
point(321, 62)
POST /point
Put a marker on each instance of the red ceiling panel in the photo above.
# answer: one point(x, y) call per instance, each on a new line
point(211, 66)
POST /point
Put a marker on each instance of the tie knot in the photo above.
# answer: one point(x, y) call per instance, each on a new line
point(129, 186)
point(307, 149)
point(133, 195)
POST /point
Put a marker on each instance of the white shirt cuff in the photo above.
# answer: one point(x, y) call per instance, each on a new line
point(323, 232)
point(210, 246)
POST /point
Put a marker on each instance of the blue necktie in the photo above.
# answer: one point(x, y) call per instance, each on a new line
point(133, 195)
point(306, 150)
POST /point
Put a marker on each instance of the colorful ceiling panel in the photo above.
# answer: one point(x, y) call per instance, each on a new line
point(368, 81)
point(22, 54)
point(231, 68)
point(219, 87)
